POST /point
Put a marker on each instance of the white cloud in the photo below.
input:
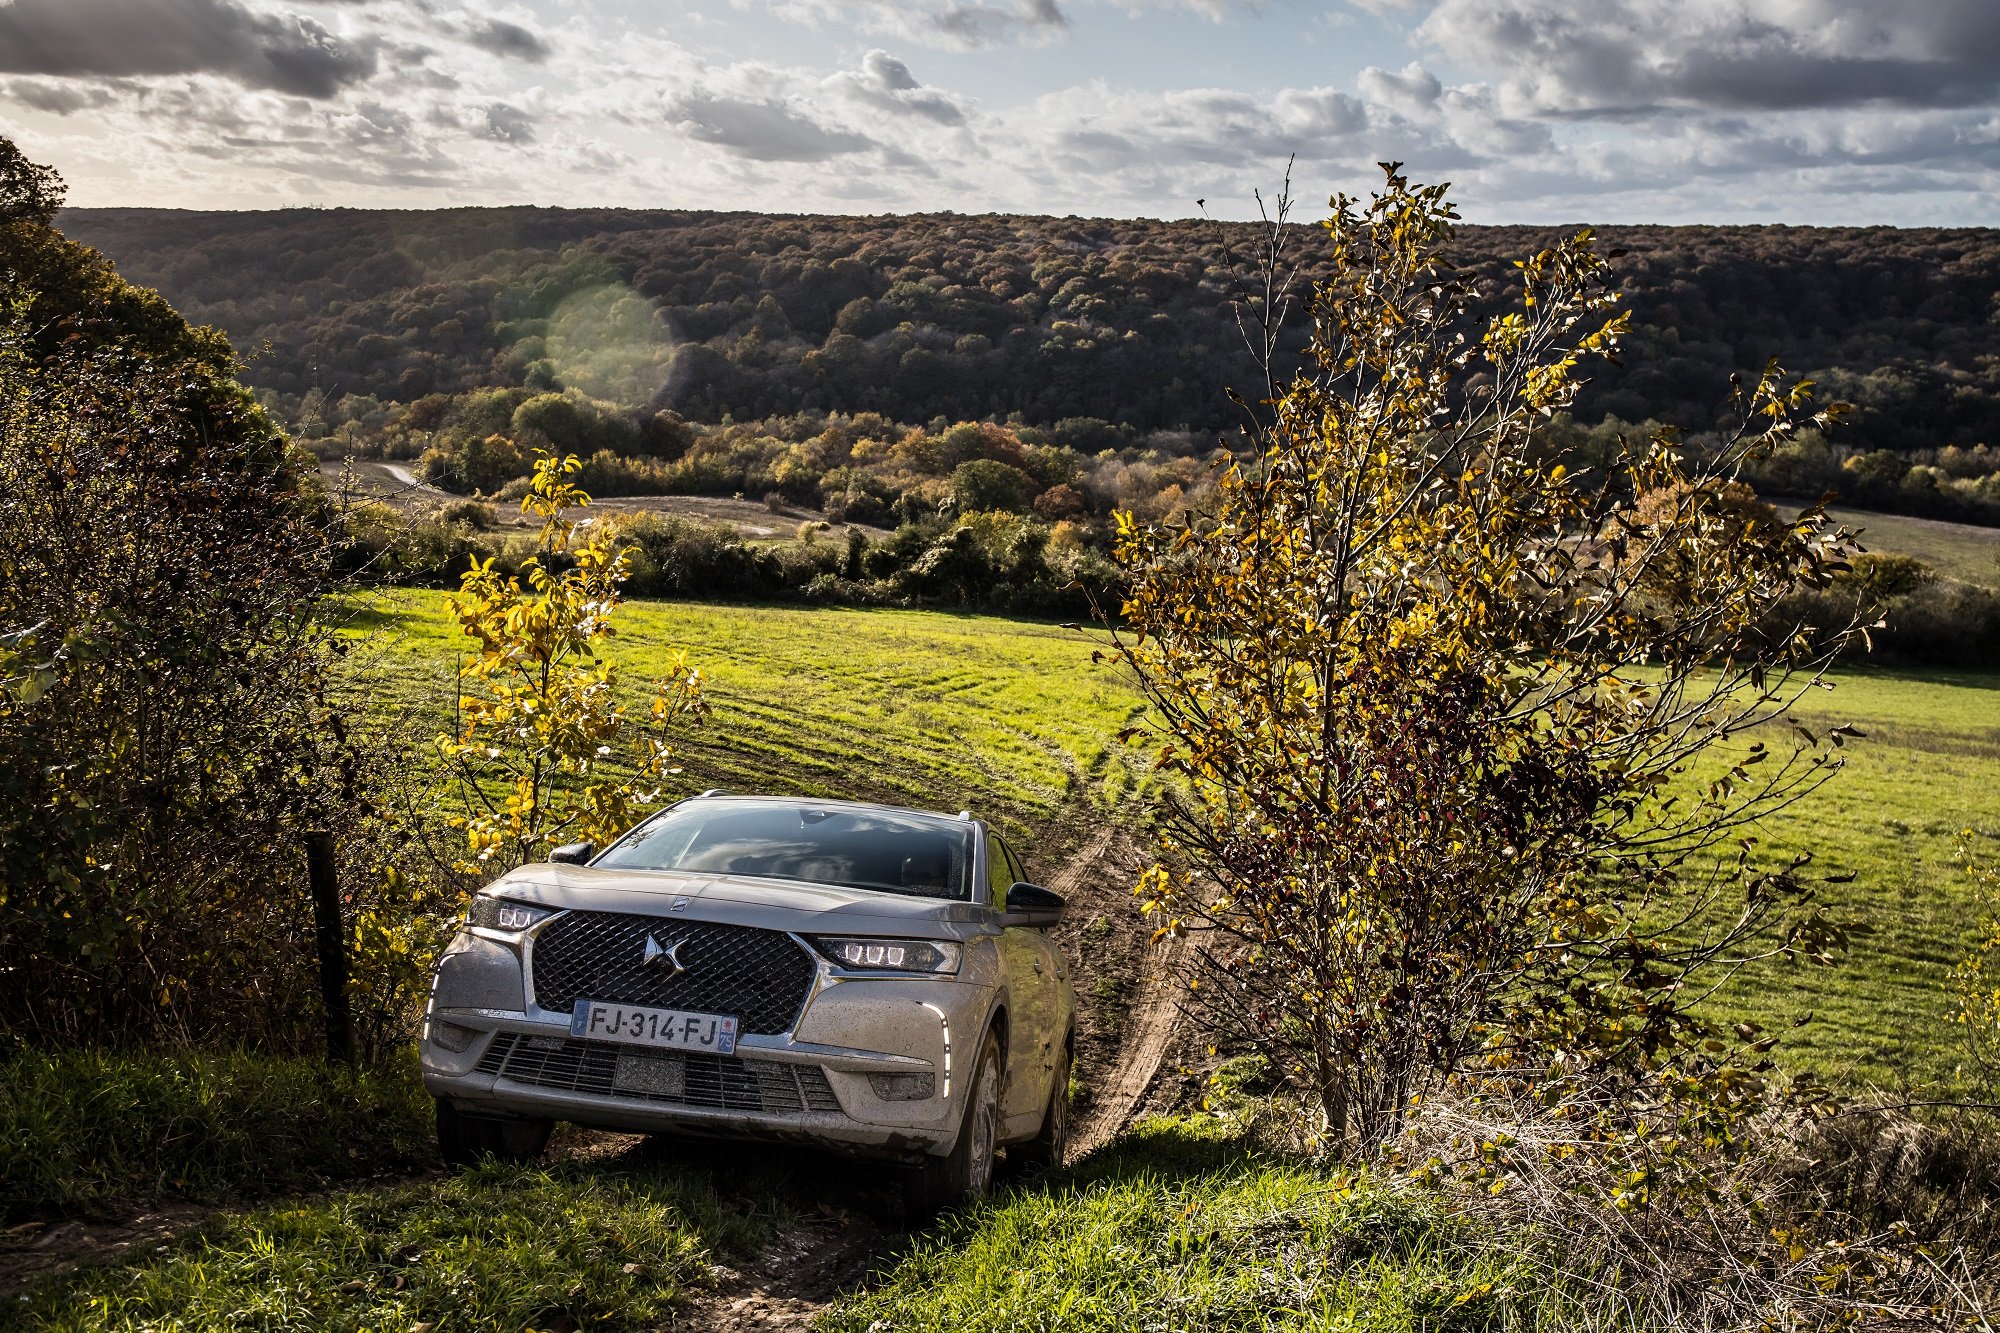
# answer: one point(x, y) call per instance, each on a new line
point(954, 24)
point(1560, 57)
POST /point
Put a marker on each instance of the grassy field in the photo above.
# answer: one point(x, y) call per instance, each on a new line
point(1955, 550)
point(1926, 771)
point(947, 711)
point(920, 707)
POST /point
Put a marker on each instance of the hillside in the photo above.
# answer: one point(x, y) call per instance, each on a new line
point(918, 317)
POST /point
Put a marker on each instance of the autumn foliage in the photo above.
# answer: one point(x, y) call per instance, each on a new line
point(1457, 729)
point(546, 752)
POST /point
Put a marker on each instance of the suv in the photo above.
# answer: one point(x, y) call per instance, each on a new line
point(859, 977)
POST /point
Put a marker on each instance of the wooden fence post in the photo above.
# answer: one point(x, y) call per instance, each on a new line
point(332, 938)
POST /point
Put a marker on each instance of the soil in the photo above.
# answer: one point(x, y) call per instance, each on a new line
point(36, 1249)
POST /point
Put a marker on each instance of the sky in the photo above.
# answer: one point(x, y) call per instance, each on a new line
point(1539, 111)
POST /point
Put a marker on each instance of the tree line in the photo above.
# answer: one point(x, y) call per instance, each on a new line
point(1131, 323)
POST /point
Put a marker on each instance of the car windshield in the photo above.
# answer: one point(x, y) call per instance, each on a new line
point(921, 855)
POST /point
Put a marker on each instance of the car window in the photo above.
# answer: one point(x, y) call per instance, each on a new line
point(1014, 866)
point(884, 850)
point(999, 875)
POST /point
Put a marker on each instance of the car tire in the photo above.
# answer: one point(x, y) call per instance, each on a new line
point(1045, 1152)
point(966, 1172)
point(465, 1139)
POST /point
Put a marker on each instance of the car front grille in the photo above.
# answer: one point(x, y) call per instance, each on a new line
point(723, 1082)
point(761, 976)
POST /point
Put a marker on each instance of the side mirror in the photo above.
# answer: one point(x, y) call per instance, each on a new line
point(1032, 905)
point(574, 853)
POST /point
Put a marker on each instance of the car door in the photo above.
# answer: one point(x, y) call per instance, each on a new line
point(1034, 979)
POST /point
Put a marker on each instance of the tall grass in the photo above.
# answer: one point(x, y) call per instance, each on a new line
point(83, 1131)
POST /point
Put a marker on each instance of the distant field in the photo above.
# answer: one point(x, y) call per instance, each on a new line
point(1955, 550)
point(925, 708)
point(1927, 769)
point(945, 711)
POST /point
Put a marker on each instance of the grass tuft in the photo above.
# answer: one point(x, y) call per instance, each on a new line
point(1179, 1225)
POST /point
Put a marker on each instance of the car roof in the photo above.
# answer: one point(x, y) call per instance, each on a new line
point(818, 803)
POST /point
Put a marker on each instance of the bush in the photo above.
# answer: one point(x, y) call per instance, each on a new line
point(984, 484)
point(87, 1131)
point(473, 463)
point(1942, 624)
point(474, 514)
point(676, 557)
point(159, 563)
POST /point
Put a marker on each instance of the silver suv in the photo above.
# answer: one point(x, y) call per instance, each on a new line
point(859, 977)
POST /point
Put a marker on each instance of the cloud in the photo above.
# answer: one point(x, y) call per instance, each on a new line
point(963, 25)
point(58, 97)
point(886, 84)
point(509, 124)
point(1626, 57)
point(81, 38)
point(510, 40)
point(1413, 92)
point(763, 131)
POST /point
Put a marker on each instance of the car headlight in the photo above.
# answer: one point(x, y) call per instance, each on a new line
point(495, 913)
point(877, 955)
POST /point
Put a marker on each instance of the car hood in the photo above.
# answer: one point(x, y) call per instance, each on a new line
point(775, 904)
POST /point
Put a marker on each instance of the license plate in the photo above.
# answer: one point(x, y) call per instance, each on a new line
point(672, 1029)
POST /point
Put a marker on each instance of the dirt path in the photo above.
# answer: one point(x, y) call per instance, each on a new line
point(34, 1250)
point(792, 1281)
point(1145, 1002)
point(1152, 1031)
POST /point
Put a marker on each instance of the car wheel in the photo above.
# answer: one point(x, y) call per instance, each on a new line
point(966, 1172)
point(465, 1139)
point(1047, 1149)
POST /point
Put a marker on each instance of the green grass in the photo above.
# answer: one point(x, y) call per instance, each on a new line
point(1926, 770)
point(86, 1131)
point(947, 711)
point(924, 708)
point(1177, 1226)
point(590, 1245)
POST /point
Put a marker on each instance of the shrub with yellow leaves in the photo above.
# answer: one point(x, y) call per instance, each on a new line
point(546, 751)
point(1433, 693)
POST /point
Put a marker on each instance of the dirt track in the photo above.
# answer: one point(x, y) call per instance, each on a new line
point(361, 479)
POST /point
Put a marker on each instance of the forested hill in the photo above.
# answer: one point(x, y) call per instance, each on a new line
point(922, 317)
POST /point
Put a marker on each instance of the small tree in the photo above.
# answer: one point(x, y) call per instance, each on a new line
point(545, 752)
point(1435, 701)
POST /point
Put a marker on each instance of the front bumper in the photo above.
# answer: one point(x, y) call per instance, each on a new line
point(851, 1075)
